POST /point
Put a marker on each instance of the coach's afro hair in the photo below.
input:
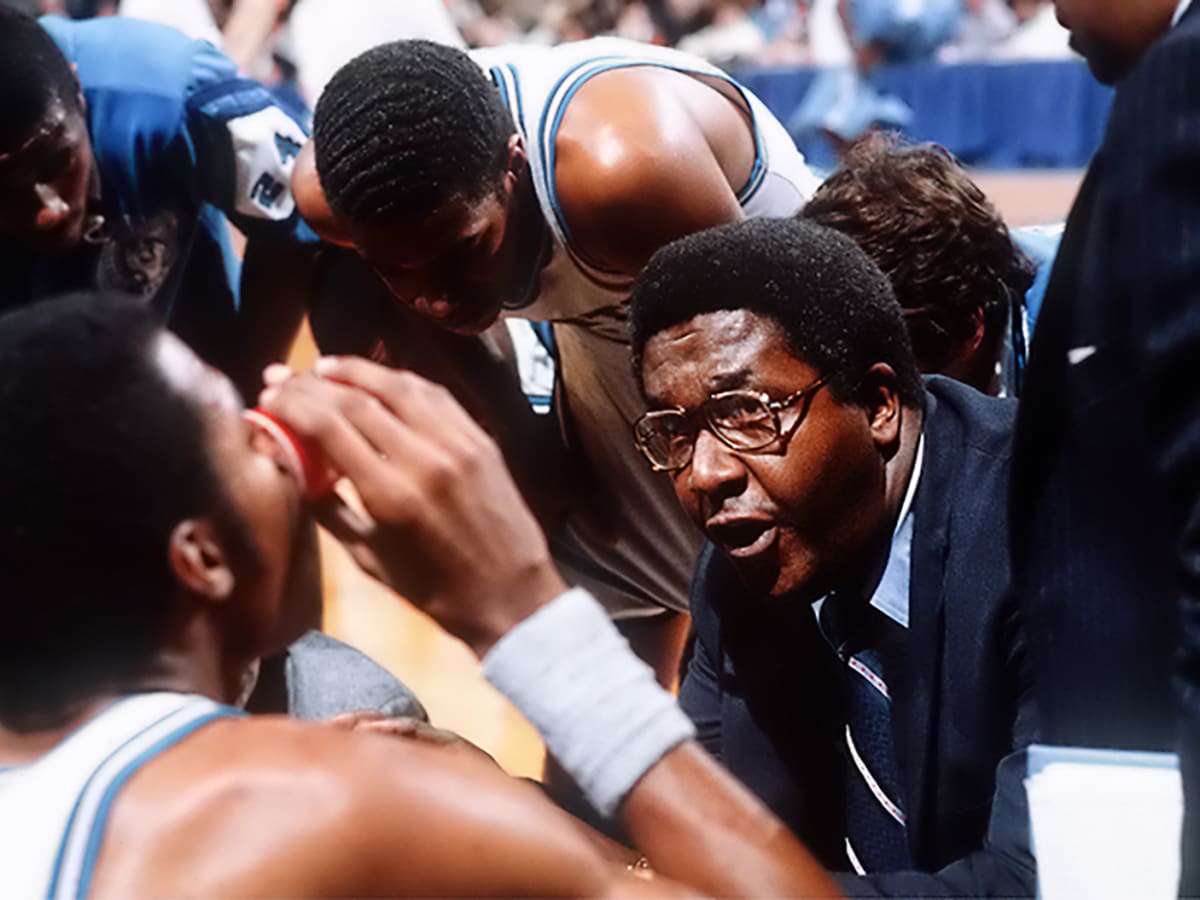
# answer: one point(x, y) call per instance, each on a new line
point(834, 305)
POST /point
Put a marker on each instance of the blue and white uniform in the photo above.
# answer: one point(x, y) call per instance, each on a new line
point(649, 564)
point(181, 142)
point(53, 811)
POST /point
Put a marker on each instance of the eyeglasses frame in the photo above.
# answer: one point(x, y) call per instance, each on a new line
point(775, 407)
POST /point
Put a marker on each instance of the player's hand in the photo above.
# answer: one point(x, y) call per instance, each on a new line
point(443, 523)
point(369, 720)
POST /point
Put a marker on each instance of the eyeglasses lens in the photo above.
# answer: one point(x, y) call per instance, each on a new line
point(664, 439)
point(743, 420)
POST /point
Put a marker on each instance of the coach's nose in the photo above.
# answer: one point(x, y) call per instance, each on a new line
point(715, 472)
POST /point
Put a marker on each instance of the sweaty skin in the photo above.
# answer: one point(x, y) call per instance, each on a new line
point(48, 184)
point(274, 807)
point(646, 156)
point(310, 199)
point(271, 807)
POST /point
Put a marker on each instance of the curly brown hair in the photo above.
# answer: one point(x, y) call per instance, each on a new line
point(937, 237)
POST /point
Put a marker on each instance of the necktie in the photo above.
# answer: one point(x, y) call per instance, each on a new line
point(876, 827)
point(876, 832)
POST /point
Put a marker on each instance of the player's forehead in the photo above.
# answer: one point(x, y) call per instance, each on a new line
point(427, 238)
point(194, 379)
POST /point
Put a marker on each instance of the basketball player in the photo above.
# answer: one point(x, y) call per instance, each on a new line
point(126, 150)
point(536, 182)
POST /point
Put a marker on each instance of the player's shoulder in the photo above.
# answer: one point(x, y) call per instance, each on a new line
point(304, 798)
point(253, 756)
point(293, 747)
point(624, 140)
point(636, 131)
point(636, 167)
point(271, 807)
point(285, 761)
point(116, 54)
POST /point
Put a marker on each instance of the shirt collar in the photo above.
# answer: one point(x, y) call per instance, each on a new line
point(1179, 11)
point(891, 596)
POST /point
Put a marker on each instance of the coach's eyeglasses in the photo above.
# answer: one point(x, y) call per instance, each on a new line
point(741, 420)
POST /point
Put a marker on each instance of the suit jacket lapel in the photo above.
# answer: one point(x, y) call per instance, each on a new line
point(916, 708)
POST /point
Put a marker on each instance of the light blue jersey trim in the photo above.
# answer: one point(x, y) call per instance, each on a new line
point(498, 80)
point(100, 822)
point(510, 95)
point(231, 99)
point(70, 734)
point(173, 737)
point(758, 174)
point(62, 847)
point(607, 64)
point(546, 137)
point(516, 80)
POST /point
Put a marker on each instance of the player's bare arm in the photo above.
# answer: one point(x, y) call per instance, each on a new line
point(645, 156)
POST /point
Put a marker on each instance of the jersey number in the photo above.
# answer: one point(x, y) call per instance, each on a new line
point(266, 191)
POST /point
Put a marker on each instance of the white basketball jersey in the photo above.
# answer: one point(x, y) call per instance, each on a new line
point(53, 811)
point(538, 83)
point(640, 558)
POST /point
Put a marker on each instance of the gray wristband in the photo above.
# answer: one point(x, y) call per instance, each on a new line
point(597, 706)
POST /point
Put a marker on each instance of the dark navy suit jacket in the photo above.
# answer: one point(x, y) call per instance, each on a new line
point(763, 687)
point(1106, 468)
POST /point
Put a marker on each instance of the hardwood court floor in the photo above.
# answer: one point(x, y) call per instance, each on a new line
point(438, 668)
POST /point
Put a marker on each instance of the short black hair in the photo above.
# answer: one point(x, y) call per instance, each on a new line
point(34, 75)
point(100, 459)
point(935, 234)
point(832, 303)
point(405, 127)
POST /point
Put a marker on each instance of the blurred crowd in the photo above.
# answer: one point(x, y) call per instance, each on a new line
point(768, 32)
point(312, 37)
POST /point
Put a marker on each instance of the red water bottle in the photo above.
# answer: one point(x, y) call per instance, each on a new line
point(307, 463)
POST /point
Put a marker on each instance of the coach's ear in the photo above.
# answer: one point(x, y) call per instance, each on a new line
point(198, 560)
point(310, 200)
